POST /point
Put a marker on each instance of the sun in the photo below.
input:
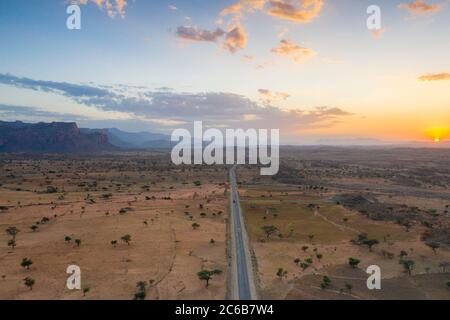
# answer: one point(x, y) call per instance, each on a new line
point(438, 134)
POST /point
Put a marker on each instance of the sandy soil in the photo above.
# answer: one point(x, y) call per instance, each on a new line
point(289, 211)
point(160, 208)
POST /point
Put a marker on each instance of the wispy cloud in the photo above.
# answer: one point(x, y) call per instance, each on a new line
point(68, 89)
point(378, 33)
point(219, 109)
point(295, 52)
point(268, 96)
point(236, 39)
point(13, 112)
point(305, 10)
point(435, 77)
point(298, 11)
point(194, 34)
point(420, 7)
point(113, 8)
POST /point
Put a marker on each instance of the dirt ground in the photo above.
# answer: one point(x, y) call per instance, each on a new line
point(300, 203)
point(101, 200)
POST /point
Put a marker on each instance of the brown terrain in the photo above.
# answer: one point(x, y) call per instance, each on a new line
point(176, 217)
point(386, 207)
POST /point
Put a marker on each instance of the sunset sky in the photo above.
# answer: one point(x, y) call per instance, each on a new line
point(308, 67)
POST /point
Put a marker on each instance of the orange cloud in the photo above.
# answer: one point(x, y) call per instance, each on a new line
point(303, 12)
point(299, 11)
point(235, 39)
point(233, 9)
point(267, 96)
point(377, 33)
point(293, 51)
point(435, 77)
point(420, 7)
point(113, 7)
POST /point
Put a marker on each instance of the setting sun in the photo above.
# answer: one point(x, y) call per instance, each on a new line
point(437, 134)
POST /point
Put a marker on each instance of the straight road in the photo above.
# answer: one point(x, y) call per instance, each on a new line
point(243, 285)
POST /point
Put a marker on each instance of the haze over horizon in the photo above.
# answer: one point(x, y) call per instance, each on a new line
point(308, 67)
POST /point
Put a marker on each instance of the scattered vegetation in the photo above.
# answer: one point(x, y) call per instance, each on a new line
point(206, 275)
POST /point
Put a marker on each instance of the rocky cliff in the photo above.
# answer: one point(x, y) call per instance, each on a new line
point(59, 137)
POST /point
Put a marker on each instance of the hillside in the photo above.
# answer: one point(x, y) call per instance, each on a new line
point(50, 137)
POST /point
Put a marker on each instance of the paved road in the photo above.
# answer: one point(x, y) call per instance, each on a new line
point(244, 287)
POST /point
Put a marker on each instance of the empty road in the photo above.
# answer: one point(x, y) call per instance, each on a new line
point(243, 286)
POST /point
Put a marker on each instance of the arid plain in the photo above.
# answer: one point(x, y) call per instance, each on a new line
point(175, 217)
point(387, 207)
point(326, 207)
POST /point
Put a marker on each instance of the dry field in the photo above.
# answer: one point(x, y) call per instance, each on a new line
point(298, 222)
point(307, 220)
point(99, 200)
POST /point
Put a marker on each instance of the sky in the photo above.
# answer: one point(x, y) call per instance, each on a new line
point(311, 68)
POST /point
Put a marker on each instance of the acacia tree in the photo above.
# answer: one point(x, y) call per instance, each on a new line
point(12, 243)
point(142, 290)
point(433, 245)
point(408, 265)
point(12, 231)
point(353, 262)
point(370, 243)
point(26, 263)
point(29, 282)
point(207, 275)
point(281, 273)
point(325, 282)
point(403, 254)
point(195, 226)
point(126, 238)
point(269, 230)
point(85, 291)
point(142, 285)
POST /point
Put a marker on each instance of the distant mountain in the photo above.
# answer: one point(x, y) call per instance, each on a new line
point(50, 137)
point(134, 140)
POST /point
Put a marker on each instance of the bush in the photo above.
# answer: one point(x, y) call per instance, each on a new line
point(52, 189)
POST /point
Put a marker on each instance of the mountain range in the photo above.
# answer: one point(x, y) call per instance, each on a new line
point(66, 137)
point(133, 140)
